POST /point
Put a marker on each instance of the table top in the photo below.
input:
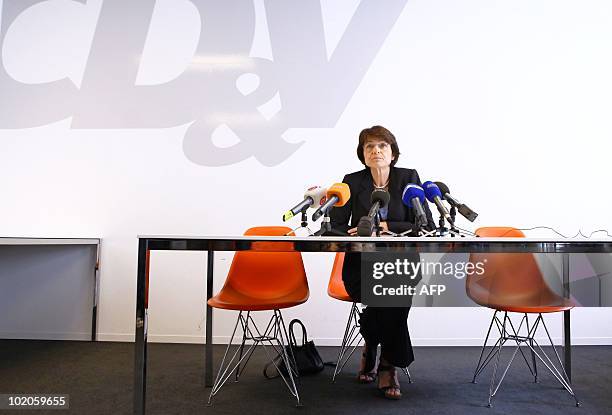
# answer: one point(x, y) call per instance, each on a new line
point(374, 244)
point(48, 241)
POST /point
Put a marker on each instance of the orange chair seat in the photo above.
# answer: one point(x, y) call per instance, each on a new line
point(265, 280)
point(340, 296)
point(561, 304)
point(512, 282)
point(231, 299)
point(335, 288)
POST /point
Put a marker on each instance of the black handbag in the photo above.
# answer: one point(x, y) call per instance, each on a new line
point(306, 355)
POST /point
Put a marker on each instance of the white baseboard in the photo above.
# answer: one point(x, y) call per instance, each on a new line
point(416, 341)
point(323, 341)
point(117, 337)
point(46, 336)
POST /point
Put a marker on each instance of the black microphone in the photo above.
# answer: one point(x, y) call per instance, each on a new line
point(379, 199)
point(467, 213)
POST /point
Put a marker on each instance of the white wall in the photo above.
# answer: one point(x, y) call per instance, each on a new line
point(507, 102)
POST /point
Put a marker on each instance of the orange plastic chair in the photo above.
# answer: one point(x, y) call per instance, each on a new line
point(262, 280)
point(352, 338)
point(513, 282)
point(335, 287)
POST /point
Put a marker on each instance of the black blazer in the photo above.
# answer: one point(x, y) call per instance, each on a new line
point(399, 219)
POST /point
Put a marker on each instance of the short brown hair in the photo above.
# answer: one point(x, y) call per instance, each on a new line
point(380, 133)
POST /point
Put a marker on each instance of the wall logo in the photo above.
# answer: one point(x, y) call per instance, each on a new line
point(313, 89)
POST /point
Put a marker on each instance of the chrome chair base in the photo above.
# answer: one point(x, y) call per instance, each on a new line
point(274, 336)
point(351, 340)
point(504, 326)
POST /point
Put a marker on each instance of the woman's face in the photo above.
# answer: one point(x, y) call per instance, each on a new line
point(377, 153)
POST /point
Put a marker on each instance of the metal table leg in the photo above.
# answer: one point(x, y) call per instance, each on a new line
point(208, 364)
point(567, 338)
point(140, 358)
point(96, 297)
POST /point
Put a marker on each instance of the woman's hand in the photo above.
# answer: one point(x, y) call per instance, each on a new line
point(383, 227)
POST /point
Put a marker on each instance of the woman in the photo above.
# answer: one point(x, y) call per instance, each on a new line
point(387, 326)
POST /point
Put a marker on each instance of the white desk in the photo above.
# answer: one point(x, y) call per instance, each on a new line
point(48, 286)
point(148, 243)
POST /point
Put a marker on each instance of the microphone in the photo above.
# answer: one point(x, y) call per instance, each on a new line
point(379, 199)
point(434, 195)
point(314, 196)
point(414, 197)
point(467, 213)
point(337, 195)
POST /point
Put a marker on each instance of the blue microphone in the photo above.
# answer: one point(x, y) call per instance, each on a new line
point(414, 197)
point(434, 195)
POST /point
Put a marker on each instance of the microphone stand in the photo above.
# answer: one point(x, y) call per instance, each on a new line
point(420, 231)
point(427, 233)
point(304, 221)
point(304, 218)
point(377, 224)
point(453, 230)
point(325, 226)
point(442, 230)
point(453, 213)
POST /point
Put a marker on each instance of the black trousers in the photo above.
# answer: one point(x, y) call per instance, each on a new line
point(387, 326)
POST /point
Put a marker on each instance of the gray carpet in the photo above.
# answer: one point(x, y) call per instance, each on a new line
point(99, 379)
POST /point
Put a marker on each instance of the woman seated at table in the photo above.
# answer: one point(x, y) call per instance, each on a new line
point(387, 326)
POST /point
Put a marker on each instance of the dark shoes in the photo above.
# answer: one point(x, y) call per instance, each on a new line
point(367, 371)
point(388, 381)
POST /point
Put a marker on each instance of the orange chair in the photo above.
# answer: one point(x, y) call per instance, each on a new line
point(513, 282)
point(257, 281)
point(352, 338)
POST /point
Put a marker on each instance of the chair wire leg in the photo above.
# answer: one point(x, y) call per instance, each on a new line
point(244, 331)
point(501, 379)
point(277, 332)
point(478, 369)
point(561, 376)
point(225, 370)
point(407, 373)
point(353, 343)
point(520, 339)
point(347, 341)
point(491, 392)
point(293, 365)
point(274, 332)
point(355, 339)
point(490, 356)
point(537, 352)
point(275, 335)
point(554, 349)
point(293, 388)
point(493, 350)
point(533, 356)
point(251, 350)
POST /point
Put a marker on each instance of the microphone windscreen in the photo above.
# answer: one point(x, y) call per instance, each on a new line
point(341, 191)
point(443, 188)
point(380, 195)
point(317, 193)
point(410, 192)
point(431, 191)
